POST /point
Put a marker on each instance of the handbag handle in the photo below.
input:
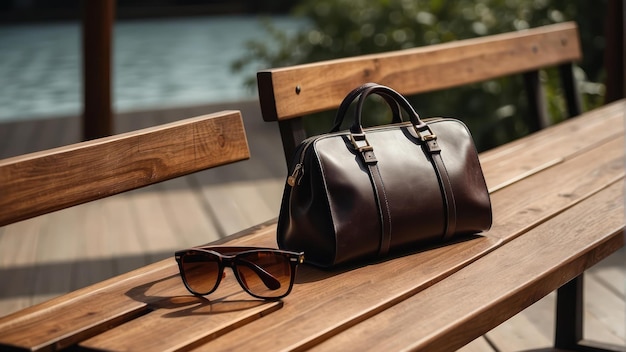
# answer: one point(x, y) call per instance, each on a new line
point(345, 104)
point(357, 127)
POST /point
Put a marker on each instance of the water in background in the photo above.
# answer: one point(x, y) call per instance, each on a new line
point(157, 63)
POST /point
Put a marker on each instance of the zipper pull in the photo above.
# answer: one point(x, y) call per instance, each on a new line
point(295, 175)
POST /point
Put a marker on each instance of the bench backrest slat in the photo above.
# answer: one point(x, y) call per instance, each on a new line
point(323, 85)
point(42, 182)
point(292, 92)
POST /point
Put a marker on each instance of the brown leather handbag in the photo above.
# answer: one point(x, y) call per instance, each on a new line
point(361, 193)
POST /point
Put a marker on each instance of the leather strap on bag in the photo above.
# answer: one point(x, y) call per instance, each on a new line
point(429, 143)
point(434, 151)
point(383, 206)
point(360, 143)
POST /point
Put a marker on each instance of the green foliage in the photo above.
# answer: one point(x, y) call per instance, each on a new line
point(494, 110)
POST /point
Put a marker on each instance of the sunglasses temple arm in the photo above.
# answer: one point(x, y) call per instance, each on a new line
point(268, 279)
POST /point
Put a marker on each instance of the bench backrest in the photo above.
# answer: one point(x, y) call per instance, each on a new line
point(287, 94)
point(46, 181)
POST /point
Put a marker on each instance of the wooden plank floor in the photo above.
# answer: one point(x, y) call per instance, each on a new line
point(56, 253)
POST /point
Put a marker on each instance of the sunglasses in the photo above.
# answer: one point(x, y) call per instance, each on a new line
point(262, 272)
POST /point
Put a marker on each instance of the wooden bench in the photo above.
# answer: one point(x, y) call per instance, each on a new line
point(289, 94)
point(557, 194)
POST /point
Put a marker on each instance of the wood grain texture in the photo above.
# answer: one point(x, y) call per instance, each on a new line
point(42, 182)
point(521, 158)
point(96, 308)
point(562, 186)
point(460, 307)
point(195, 320)
point(323, 85)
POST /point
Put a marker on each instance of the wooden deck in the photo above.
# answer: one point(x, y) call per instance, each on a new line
point(60, 252)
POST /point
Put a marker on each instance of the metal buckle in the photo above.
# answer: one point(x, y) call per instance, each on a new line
point(362, 147)
point(426, 137)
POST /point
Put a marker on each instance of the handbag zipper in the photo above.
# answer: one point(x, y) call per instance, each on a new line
point(293, 179)
point(298, 170)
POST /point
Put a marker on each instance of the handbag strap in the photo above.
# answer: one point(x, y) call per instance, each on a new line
point(445, 186)
point(345, 104)
point(430, 145)
point(383, 91)
point(382, 203)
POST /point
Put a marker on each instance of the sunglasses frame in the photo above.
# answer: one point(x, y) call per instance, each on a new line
point(227, 256)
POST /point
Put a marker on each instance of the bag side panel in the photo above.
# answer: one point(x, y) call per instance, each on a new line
point(468, 183)
point(304, 221)
point(351, 199)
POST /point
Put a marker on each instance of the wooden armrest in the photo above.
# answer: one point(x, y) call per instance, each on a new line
point(50, 180)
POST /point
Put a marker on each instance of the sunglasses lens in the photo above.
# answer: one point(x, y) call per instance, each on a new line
point(265, 274)
point(201, 272)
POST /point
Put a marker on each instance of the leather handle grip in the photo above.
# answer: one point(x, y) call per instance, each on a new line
point(345, 104)
point(357, 126)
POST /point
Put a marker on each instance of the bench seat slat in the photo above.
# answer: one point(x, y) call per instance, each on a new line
point(499, 285)
point(563, 187)
point(337, 297)
point(194, 320)
point(68, 319)
point(46, 181)
point(63, 321)
point(503, 165)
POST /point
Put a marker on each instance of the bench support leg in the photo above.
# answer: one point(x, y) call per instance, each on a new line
point(292, 133)
point(570, 90)
point(569, 314)
point(569, 320)
point(536, 102)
